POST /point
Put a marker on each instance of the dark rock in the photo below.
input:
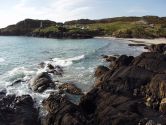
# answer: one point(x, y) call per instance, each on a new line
point(41, 82)
point(122, 61)
point(2, 93)
point(71, 89)
point(132, 92)
point(101, 70)
point(154, 62)
point(18, 111)
point(42, 65)
point(62, 112)
point(161, 48)
point(111, 59)
point(141, 44)
point(104, 56)
point(51, 67)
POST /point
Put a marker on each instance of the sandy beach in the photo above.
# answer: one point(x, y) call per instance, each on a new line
point(147, 41)
point(139, 41)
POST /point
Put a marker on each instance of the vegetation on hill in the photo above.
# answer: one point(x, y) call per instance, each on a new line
point(125, 27)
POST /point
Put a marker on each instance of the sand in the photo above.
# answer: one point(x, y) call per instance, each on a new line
point(139, 41)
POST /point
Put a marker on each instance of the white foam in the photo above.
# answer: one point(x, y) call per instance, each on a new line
point(2, 60)
point(20, 72)
point(67, 62)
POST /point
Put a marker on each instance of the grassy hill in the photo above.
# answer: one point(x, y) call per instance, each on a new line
point(123, 27)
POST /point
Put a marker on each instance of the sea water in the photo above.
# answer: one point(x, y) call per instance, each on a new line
point(20, 56)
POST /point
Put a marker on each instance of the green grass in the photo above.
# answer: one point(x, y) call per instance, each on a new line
point(117, 29)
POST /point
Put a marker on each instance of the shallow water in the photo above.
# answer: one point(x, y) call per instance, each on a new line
point(20, 56)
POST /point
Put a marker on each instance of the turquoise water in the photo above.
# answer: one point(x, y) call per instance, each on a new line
point(20, 56)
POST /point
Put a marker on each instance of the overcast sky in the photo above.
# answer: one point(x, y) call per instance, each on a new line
point(12, 11)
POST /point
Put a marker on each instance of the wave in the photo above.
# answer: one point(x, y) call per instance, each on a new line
point(67, 62)
point(2, 60)
point(20, 73)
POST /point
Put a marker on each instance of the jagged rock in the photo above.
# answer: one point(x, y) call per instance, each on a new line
point(41, 82)
point(163, 105)
point(127, 94)
point(109, 58)
point(100, 70)
point(123, 60)
point(71, 89)
point(51, 67)
point(155, 62)
point(160, 48)
point(62, 112)
point(18, 111)
point(158, 86)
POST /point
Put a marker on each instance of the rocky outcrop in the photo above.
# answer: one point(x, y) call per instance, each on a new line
point(131, 92)
point(71, 89)
point(41, 82)
point(161, 48)
point(62, 112)
point(18, 111)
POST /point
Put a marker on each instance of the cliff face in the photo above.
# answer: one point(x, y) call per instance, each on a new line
point(25, 27)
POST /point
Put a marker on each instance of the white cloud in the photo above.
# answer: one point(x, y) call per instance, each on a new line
point(58, 10)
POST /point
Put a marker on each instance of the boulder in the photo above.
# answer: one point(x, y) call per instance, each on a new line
point(123, 60)
point(18, 111)
point(100, 70)
point(62, 112)
point(71, 89)
point(109, 58)
point(40, 82)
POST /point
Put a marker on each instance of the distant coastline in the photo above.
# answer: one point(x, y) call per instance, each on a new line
point(146, 27)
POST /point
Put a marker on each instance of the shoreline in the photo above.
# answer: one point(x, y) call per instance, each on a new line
point(139, 40)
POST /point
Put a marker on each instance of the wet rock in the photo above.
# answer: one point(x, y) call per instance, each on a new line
point(2, 93)
point(18, 111)
point(131, 92)
point(42, 65)
point(62, 112)
point(109, 58)
point(101, 70)
point(71, 89)
point(123, 60)
point(104, 56)
point(41, 82)
point(51, 67)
